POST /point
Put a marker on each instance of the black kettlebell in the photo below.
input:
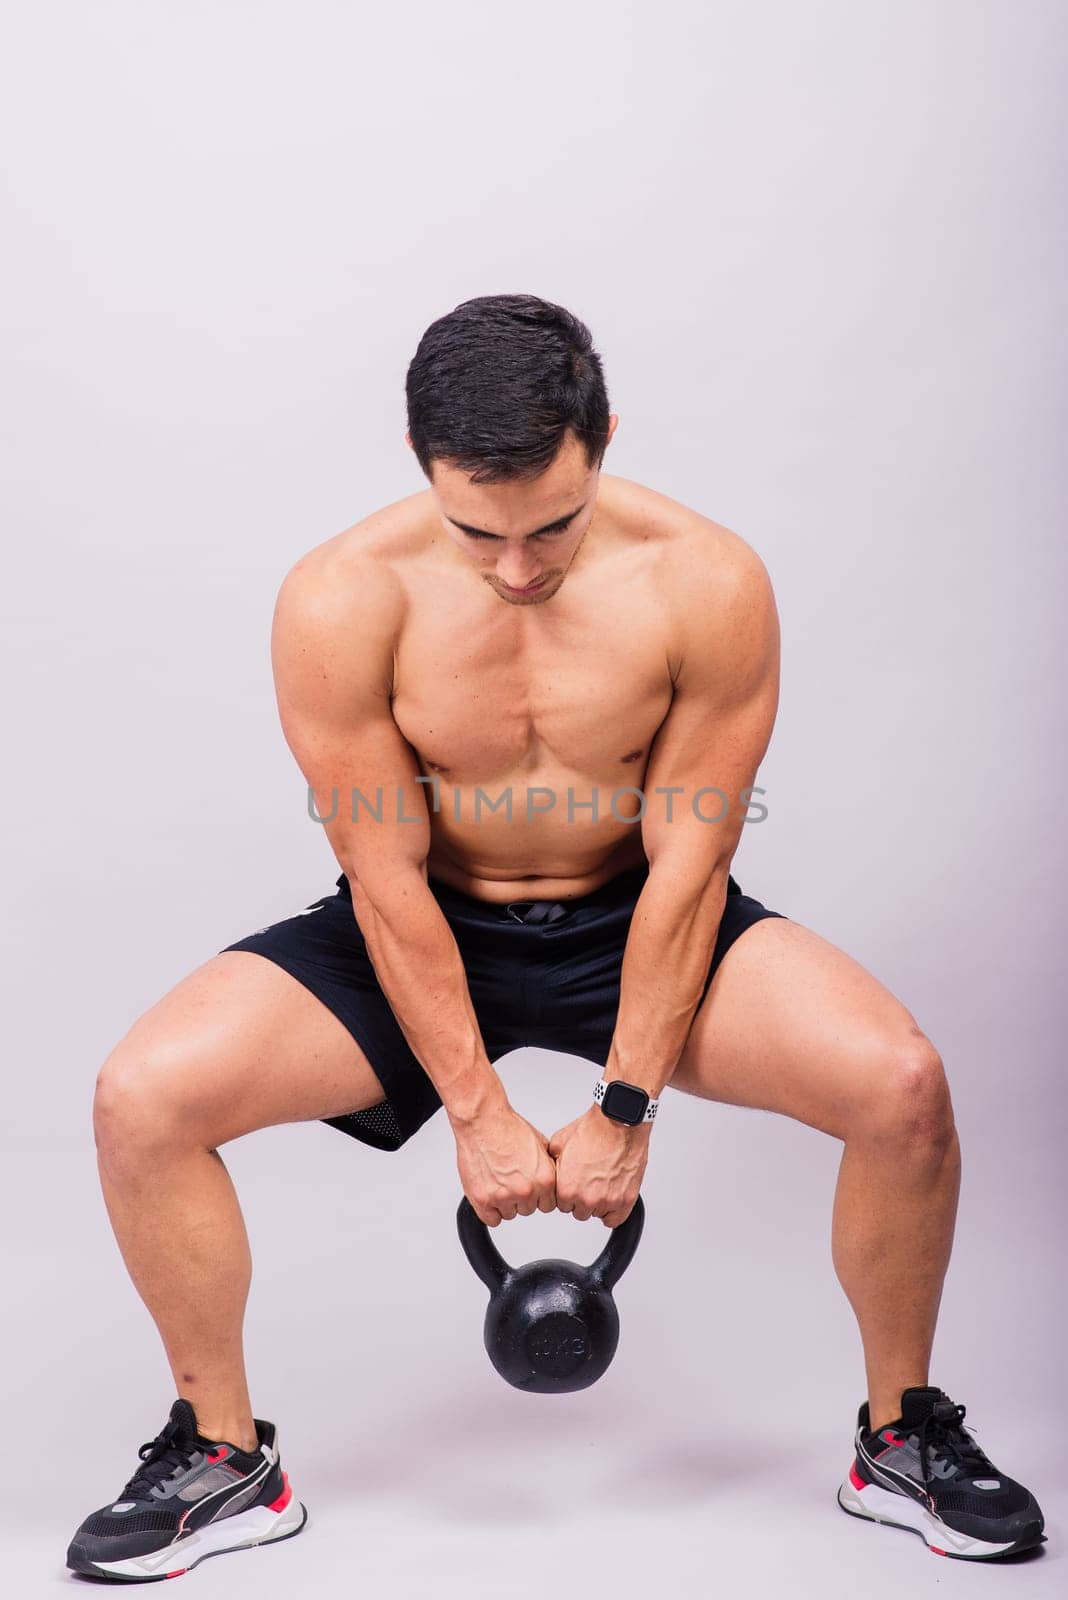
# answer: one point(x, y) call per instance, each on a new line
point(551, 1326)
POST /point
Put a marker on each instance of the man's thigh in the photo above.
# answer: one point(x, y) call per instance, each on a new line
point(238, 1044)
point(792, 1024)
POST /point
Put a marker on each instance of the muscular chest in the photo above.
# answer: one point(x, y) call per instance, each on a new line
point(487, 698)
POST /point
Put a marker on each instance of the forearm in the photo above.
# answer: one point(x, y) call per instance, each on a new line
point(418, 966)
point(665, 964)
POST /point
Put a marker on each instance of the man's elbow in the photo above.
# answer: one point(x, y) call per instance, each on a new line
point(691, 865)
point(379, 867)
point(698, 844)
point(383, 881)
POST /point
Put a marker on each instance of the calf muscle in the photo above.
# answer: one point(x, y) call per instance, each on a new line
point(237, 1045)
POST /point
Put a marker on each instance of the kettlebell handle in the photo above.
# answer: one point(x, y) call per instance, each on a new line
point(492, 1268)
point(618, 1253)
point(479, 1248)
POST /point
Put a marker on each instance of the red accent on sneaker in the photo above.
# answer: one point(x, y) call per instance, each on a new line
point(855, 1478)
point(935, 1550)
point(217, 1455)
point(891, 1437)
point(180, 1573)
point(284, 1498)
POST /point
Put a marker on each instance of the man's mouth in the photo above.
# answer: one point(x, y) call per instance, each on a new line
point(530, 587)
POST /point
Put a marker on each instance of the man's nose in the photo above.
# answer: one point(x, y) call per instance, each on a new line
point(517, 571)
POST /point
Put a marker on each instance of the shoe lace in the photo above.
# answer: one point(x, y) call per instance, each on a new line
point(162, 1457)
point(942, 1431)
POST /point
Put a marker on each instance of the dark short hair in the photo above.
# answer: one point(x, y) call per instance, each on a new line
point(495, 385)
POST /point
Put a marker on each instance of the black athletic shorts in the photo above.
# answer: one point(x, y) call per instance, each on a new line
point(539, 972)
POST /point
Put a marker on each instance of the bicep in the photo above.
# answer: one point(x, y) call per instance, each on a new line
point(718, 726)
point(332, 654)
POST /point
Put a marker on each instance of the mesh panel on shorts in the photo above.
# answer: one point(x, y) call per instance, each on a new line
point(140, 1522)
point(379, 1120)
point(1013, 1497)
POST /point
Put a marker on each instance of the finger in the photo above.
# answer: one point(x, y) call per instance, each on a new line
point(547, 1201)
point(507, 1210)
point(489, 1215)
point(560, 1138)
point(580, 1213)
point(527, 1208)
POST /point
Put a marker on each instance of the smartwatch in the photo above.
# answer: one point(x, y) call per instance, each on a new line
point(624, 1102)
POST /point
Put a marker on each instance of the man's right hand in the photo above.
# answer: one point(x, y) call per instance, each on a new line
point(505, 1166)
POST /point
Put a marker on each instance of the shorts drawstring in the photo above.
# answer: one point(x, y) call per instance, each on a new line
point(536, 911)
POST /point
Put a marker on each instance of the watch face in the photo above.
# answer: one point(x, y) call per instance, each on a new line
point(624, 1103)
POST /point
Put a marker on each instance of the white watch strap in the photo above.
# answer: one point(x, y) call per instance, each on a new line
point(599, 1092)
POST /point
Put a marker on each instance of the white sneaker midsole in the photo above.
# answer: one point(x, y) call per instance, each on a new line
point(882, 1505)
point(255, 1526)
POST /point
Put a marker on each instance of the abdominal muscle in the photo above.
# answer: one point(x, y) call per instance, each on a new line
point(547, 858)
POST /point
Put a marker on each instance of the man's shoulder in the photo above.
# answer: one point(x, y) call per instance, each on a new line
point(358, 572)
point(717, 574)
point(712, 582)
point(379, 540)
point(693, 547)
point(706, 572)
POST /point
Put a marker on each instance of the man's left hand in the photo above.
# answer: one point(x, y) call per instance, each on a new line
point(599, 1167)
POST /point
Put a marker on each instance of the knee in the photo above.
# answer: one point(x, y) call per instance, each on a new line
point(136, 1114)
point(912, 1100)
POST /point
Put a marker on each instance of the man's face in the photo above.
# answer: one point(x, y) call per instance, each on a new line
point(521, 536)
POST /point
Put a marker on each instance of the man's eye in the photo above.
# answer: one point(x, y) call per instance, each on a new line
point(547, 533)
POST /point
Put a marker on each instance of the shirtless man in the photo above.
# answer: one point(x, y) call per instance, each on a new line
point(530, 703)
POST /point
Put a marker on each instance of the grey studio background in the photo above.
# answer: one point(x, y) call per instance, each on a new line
point(820, 247)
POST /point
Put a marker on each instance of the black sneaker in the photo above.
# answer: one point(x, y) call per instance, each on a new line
point(925, 1472)
point(191, 1498)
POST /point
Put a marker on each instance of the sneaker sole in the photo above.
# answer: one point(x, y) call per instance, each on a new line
point(883, 1505)
point(244, 1531)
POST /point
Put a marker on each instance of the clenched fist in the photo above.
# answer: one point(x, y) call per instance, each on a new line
point(505, 1166)
point(599, 1167)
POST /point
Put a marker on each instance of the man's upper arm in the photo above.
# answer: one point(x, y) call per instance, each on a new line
point(722, 713)
point(332, 642)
